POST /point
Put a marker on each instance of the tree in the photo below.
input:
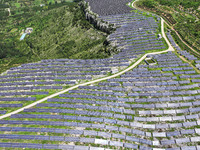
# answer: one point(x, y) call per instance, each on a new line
point(37, 2)
point(149, 3)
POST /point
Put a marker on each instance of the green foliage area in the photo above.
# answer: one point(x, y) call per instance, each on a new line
point(194, 4)
point(59, 31)
point(182, 45)
point(17, 5)
point(37, 2)
point(184, 16)
point(149, 3)
point(185, 3)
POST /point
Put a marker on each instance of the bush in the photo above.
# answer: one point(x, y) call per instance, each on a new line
point(149, 3)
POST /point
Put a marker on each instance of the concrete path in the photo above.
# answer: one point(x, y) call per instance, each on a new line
point(164, 35)
point(96, 80)
point(162, 29)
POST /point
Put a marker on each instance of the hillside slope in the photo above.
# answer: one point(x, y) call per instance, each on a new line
point(182, 15)
point(60, 31)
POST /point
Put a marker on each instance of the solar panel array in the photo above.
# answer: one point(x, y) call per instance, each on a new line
point(49, 76)
point(173, 43)
point(149, 106)
point(134, 36)
point(187, 55)
point(111, 7)
point(136, 33)
point(197, 64)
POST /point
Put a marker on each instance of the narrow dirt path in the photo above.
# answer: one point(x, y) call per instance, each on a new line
point(164, 35)
point(184, 41)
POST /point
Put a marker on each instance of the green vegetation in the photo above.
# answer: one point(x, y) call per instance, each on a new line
point(149, 3)
point(182, 45)
point(59, 31)
point(183, 16)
